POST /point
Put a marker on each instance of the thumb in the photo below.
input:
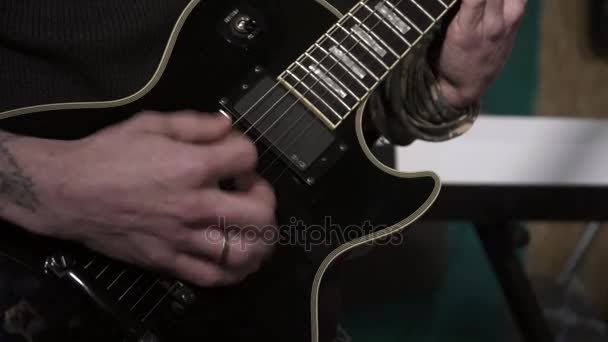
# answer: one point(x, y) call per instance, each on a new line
point(185, 126)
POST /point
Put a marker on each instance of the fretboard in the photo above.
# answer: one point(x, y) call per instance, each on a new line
point(348, 62)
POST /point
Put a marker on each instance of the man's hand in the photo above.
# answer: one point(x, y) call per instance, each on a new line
point(146, 192)
point(478, 42)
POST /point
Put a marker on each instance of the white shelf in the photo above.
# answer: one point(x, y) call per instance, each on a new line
point(515, 150)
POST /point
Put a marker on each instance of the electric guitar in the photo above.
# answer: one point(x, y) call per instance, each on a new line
point(296, 76)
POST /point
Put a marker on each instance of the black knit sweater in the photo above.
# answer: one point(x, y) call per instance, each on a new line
point(80, 50)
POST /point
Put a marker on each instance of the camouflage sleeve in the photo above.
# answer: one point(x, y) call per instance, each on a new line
point(408, 106)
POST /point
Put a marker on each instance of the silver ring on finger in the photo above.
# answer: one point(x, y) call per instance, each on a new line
point(225, 249)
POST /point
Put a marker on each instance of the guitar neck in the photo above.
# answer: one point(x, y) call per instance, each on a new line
point(356, 54)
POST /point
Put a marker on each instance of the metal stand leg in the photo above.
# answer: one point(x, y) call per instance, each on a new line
point(500, 242)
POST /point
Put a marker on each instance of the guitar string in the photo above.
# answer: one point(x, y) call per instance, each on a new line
point(145, 294)
point(107, 266)
point(362, 21)
point(322, 40)
point(309, 126)
point(307, 129)
point(358, 42)
point(348, 36)
point(302, 132)
point(281, 116)
point(103, 270)
point(158, 302)
point(318, 80)
point(422, 32)
point(117, 278)
point(130, 287)
point(90, 262)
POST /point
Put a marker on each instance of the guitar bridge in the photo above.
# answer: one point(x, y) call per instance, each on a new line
point(134, 298)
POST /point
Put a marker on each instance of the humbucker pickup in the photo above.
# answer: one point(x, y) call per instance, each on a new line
point(270, 114)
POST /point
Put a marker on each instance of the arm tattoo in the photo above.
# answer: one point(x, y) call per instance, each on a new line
point(15, 185)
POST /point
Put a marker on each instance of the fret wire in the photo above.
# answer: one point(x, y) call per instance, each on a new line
point(339, 46)
point(318, 46)
point(280, 77)
point(423, 10)
point(396, 10)
point(130, 287)
point(352, 57)
point(362, 42)
point(435, 8)
point(291, 88)
point(373, 87)
point(372, 33)
point(320, 81)
point(337, 79)
point(313, 92)
point(338, 62)
point(102, 271)
point(324, 86)
point(90, 263)
point(325, 36)
point(365, 46)
point(349, 35)
point(117, 278)
point(144, 295)
point(443, 3)
point(362, 3)
point(158, 303)
point(422, 33)
point(334, 66)
point(389, 25)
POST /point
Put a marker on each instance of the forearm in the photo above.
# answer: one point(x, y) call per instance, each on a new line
point(19, 201)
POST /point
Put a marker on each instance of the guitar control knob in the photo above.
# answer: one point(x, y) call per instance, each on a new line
point(244, 24)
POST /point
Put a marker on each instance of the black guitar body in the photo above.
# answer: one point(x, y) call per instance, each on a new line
point(326, 179)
